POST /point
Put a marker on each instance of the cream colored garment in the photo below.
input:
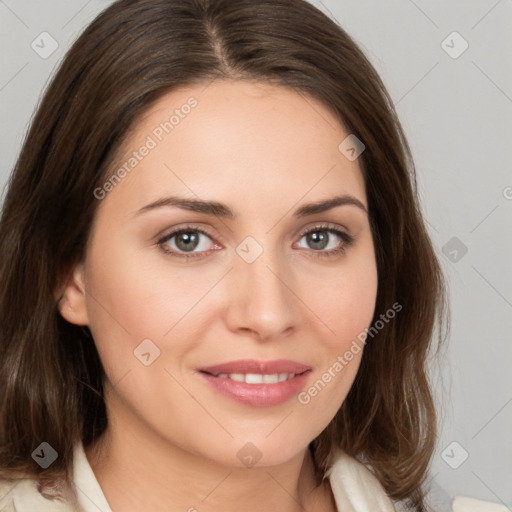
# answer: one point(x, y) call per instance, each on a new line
point(25, 497)
point(355, 488)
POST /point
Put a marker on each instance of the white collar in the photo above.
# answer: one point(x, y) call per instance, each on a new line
point(90, 495)
point(355, 487)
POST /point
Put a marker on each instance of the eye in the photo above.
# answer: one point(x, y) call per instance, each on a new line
point(187, 240)
point(321, 237)
point(192, 242)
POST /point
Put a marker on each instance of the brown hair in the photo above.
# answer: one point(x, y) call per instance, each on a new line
point(132, 54)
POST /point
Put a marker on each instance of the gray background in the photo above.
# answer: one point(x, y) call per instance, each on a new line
point(456, 112)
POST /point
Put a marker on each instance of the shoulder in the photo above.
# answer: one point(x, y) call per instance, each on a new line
point(23, 496)
point(355, 487)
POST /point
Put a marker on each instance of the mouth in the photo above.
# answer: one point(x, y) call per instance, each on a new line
point(257, 383)
point(256, 378)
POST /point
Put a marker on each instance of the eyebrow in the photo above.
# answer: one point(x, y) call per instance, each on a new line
point(223, 210)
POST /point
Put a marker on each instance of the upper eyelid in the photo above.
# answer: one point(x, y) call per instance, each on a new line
point(319, 225)
point(175, 231)
point(323, 225)
point(192, 227)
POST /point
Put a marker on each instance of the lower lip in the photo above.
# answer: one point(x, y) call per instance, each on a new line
point(258, 395)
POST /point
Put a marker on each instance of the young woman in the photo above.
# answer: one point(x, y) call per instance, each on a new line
point(218, 291)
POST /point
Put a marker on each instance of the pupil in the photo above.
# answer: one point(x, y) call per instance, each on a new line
point(188, 238)
point(318, 237)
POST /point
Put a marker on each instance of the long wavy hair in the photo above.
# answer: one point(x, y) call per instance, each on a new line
point(133, 53)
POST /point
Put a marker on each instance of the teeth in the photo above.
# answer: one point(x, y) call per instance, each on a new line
point(253, 378)
point(240, 377)
point(257, 378)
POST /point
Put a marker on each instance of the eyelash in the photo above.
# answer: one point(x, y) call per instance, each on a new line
point(347, 241)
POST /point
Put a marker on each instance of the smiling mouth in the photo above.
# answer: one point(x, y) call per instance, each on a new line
point(256, 378)
point(258, 389)
point(257, 383)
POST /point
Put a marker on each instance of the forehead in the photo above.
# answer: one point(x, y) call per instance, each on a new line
point(241, 142)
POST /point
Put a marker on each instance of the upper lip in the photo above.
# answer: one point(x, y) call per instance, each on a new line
point(258, 367)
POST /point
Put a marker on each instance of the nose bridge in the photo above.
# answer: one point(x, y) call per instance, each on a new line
point(263, 303)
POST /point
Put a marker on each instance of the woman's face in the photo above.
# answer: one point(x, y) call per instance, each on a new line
point(253, 286)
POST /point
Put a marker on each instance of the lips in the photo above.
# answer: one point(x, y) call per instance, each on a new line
point(257, 383)
point(251, 366)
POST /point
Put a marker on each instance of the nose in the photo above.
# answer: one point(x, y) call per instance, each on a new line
point(262, 302)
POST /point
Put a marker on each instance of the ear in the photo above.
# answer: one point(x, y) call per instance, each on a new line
point(71, 299)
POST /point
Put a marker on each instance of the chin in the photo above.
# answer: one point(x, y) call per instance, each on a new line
point(258, 451)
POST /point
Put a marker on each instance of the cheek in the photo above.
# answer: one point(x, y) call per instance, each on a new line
point(347, 311)
point(347, 306)
point(345, 300)
point(135, 295)
point(141, 295)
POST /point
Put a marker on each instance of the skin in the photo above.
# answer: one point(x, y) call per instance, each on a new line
point(172, 439)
